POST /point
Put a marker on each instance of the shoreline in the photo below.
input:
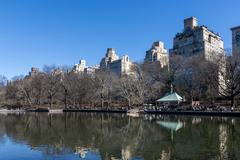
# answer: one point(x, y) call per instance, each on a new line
point(187, 113)
point(197, 113)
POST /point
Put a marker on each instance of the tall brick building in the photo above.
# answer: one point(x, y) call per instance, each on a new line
point(197, 41)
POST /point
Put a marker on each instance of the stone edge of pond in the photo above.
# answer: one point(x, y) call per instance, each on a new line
point(197, 113)
point(193, 113)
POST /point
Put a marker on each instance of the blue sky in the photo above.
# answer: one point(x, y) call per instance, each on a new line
point(38, 32)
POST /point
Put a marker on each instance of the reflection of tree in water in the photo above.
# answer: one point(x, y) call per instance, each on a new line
point(223, 142)
point(118, 136)
point(2, 133)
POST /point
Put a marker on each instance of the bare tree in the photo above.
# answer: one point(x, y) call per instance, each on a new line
point(104, 87)
point(48, 69)
point(127, 89)
point(190, 79)
point(51, 84)
point(66, 86)
point(38, 88)
point(3, 80)
point(3, 83)
point(225, 78)
point(25, 90)
point(156, 79)
point(83, 89)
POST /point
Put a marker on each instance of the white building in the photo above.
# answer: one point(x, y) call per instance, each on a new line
point(83, 68)
point(80, 67)
point(110, 56)
point(119, 66)
point(91, 69)
point(157, 53)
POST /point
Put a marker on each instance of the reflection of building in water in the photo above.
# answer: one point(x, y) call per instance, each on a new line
point(126, 153)
point(223, 142)
point(173, 126)
point(196, 120)
point(81, 151)
point(165, 155)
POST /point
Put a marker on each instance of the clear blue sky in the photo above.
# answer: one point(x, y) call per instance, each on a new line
point(38, 32)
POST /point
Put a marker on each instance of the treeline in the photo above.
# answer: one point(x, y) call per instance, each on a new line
point(193, 78)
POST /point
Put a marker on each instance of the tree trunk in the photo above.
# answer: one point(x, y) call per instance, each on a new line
point(65, 99)
point(129, 103)
point(51, 101)
point(232, 102)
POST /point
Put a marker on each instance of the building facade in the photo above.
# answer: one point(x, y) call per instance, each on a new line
point(110, 57)
point(34, 71)
point(83, 68)
point(79, 67)
point(119, 66)
point(91, 69)
point(157, 53)
point(236, 41)
point(197, 41)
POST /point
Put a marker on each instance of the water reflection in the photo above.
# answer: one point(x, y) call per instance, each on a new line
point(117, 136)
point(174, 126)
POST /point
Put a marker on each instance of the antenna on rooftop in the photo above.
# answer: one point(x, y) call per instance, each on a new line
point(171, 88)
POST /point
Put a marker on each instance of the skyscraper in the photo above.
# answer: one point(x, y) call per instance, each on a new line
point(236, 41)
point(197, 41)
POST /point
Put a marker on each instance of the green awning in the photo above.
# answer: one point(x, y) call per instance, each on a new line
point(173, 97)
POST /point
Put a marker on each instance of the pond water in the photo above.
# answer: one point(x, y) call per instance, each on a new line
point(90, 136)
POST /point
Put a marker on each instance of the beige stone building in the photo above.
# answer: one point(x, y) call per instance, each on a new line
point(91, 69)
point(236, 41)
point(119, 66)
point(197, 41)
point(34, 71)
point(200, 41)
point(83, 68)
point(157, 53)
point(109, 58)
point(57, 72)
point(79, 67)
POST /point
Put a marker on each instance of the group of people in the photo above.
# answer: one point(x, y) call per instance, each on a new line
point(188, 108)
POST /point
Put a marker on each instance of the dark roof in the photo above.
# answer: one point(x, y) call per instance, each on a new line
point(238, 27)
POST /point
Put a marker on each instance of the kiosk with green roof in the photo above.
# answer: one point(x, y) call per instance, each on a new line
point(171, 99)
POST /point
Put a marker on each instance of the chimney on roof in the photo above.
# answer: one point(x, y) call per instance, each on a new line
point(190, 23)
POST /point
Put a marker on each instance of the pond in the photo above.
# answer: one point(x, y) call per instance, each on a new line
point(90, 136)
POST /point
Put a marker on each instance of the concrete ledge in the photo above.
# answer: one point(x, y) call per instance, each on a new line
point(38, 110)
point(93, 110)
point(55, 111)
point(198, 113)
point(193, 113)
